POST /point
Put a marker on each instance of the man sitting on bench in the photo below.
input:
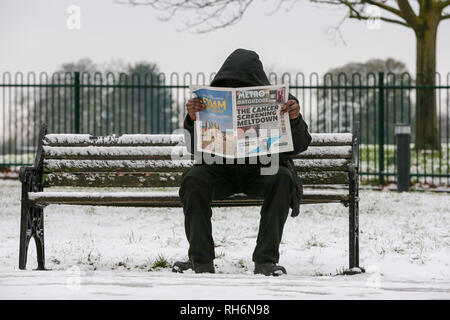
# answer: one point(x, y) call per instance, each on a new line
point(205, 182)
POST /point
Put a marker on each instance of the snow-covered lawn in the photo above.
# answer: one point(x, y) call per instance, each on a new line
point(126, 253)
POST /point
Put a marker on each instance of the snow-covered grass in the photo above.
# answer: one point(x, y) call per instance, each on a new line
point(422, 162)
point(17, 158)
point(98, 252)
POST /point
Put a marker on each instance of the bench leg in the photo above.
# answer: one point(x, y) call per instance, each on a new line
point(25, 234)
point(354, 267)
point(353, 235)
point(38, 235)
point(31, 225)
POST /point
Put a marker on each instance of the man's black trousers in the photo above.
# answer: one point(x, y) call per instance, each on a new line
point(203, 183)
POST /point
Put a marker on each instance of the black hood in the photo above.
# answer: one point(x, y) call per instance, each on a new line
point(242, 68)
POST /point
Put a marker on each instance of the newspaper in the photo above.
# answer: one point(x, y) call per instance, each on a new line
point(243, 122)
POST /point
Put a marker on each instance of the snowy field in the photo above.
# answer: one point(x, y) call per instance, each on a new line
point(126, 253)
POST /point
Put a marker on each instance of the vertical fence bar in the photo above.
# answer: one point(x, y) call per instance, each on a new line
point(381, 127)
point(390, 120)
point(3, 113)
point(403, 158)
point(16, 105)
point(76, 102)
point(447, 140)
point(438, 106)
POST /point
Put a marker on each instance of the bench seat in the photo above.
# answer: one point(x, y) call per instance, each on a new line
point(164, 198)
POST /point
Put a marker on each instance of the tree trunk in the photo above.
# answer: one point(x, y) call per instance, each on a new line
point(427, 134)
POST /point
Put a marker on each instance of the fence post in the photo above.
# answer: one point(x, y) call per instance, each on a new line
point(381, 127)
point(403, 135)
point(76, 97)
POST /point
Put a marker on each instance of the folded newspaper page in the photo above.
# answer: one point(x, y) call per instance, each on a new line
point(243, 122)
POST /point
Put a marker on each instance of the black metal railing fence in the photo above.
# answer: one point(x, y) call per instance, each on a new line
point(109, 103)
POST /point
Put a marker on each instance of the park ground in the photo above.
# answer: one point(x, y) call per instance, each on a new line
point(126, 253)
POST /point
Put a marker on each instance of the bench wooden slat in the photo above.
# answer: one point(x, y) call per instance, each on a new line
point(58, 165)
point(331, 139)
point(168, 153)
point(54, 165)
point(161, 199)
point(161, 179)
point(103, 179)
point(78, 140)
point(83, 140)
point(116, 153)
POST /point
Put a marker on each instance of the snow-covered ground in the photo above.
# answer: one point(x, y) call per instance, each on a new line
point(126, 253)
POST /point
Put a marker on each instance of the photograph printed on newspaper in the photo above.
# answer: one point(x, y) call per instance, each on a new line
point(243, 122)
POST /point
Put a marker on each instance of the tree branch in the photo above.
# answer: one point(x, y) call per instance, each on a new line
point(356, 13)
point(444, 4)
point(211, 14)
point(384, 6)
point(336, 31)
point(402, 23)
point(215, 14)
point(408, 12)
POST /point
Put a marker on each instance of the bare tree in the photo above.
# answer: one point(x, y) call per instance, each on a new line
point(422, 16)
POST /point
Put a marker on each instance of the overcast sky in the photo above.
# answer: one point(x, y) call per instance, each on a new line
point(34, 37)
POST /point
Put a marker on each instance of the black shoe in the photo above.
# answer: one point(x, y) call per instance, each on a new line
point(269, 269)
point(204, 267)
point(181, 266)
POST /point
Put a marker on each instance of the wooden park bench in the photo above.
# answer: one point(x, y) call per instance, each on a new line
point(146, 161)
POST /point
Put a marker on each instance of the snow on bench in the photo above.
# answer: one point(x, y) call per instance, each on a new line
point(126, 139)
point(62, 165)
point(51, 165)
point(330, 139)
point(94, 152)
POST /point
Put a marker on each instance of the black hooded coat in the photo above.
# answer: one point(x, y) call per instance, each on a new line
point(244, 69)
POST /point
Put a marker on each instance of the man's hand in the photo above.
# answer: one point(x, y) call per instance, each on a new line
point(194, 105)
point(292, 108)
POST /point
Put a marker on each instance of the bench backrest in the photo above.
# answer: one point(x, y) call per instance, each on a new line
point(145, 160)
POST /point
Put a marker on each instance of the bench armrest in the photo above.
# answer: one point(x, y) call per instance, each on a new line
point(25, 172)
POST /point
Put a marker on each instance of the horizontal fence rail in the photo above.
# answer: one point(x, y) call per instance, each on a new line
point(103, 104)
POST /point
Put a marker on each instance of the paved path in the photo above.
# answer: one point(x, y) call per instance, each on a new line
point(73, 284)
